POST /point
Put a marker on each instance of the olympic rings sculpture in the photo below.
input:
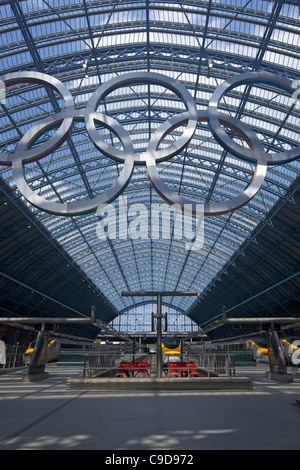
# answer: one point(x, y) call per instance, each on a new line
point(25, 151)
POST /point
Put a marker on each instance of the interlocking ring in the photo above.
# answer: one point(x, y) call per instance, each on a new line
point(143, 77)
point(190, 206)
point(23, 153)
point(26, 152)
point(86, 206)
point(282, 83)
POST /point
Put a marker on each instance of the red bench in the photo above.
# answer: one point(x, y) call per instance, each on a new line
point(181, 369)
point(133, 369)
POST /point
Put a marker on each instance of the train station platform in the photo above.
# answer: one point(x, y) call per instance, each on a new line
point(46, 415)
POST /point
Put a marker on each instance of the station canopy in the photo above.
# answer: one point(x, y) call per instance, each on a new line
point(200, 44)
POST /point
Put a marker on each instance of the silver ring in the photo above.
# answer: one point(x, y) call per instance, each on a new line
point(26, 152)
point(222, 137)
point(190, 206)
point(23, 152)
point(137, 78)
point(70, 209)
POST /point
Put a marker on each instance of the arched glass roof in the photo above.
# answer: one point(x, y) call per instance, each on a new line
point(200, 44)
point(139, 320)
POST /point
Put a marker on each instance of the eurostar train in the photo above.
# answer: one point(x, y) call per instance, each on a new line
point(53, 350)
point(259, 349)
point(171, 346)
point(290, 347)
point(257, 345)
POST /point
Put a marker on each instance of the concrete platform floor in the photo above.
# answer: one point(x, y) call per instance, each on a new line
point(46, 416)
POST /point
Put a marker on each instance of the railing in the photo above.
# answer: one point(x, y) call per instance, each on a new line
point(98, 364)
point(14, 357)
point(217, 364)
point(112, 365)
point(200, 365)
point(242, 357)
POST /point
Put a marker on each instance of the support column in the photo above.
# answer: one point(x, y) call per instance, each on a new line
point(159, 339)
point(278, 368)
point(36, 369)
point(133, 350)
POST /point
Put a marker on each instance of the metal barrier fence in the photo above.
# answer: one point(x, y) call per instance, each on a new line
point(98, 364)
point(115, 365)
point(110, 365)
point(242, 357)
point(14, 357)
point(217, 364)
